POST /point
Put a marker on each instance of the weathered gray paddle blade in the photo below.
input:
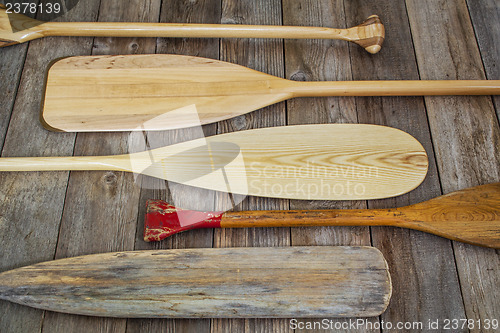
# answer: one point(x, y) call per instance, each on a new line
point(194, 283)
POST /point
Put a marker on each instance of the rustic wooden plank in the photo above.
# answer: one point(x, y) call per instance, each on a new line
point(32, 204)
point(265, 56)
point(320, 60)
point(11, 64)
point(100, 210)
point(465, 133)
point(485, 16)
point(432, 284)
point(204, 11)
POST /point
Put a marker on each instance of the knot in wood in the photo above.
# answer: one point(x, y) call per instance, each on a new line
point(298, 76)
point(133, 47)
point(110, 179)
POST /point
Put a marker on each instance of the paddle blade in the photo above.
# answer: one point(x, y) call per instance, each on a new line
point(151, 92)
point(471, 215)
point(310, 162)
point(209, 283)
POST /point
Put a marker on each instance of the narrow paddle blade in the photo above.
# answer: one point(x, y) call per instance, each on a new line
point(153, 92)
point(289, 282)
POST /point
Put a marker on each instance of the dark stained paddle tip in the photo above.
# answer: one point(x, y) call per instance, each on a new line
point(4, 43)
point(163, 220)
point(373, 41)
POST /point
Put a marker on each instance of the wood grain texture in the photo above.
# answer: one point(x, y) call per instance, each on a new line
point(32, 204)
point(422, 265)
point(17, 28)
point(215, 283)
point(155, 92)
point(465, 131)
point(321, 61)
point(11, 60)
point(470, 215)
point(342, 161)
point(203, 11)
point(94, 202)
point(483, 14)
point(265, 56)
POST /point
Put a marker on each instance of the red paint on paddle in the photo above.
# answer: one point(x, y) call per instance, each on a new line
point(163, 220)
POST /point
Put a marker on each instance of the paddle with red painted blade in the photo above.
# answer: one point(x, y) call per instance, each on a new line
point(471, 216)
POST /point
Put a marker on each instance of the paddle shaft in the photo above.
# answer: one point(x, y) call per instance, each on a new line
point(121, 29)
point(369, 34)
point(306, 218)
point(392, 88)
point(63, 163)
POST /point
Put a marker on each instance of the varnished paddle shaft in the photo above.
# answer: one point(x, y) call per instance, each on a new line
point(288, 282)
point(308, 218)
point(471, 215)
point(395, 88)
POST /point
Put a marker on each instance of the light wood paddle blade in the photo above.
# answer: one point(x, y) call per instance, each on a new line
point(293, 282)
point(471, 216)
point(18, 28)
point(311, 162)
point(161, 92)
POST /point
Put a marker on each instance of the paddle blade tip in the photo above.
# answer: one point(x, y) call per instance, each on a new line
point(164, 220)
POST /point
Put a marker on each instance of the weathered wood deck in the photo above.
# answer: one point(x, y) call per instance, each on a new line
point(59, 214)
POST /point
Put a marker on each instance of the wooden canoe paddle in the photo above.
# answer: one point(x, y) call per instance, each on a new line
point(18, 28)
point(276, 282)
point(312, 162)
point(161, 92)
point(471, 216)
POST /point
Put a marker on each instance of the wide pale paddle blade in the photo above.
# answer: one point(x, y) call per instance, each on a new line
point(153, 92)
point(160, 92)
point(288, 282)
point(311, 162)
